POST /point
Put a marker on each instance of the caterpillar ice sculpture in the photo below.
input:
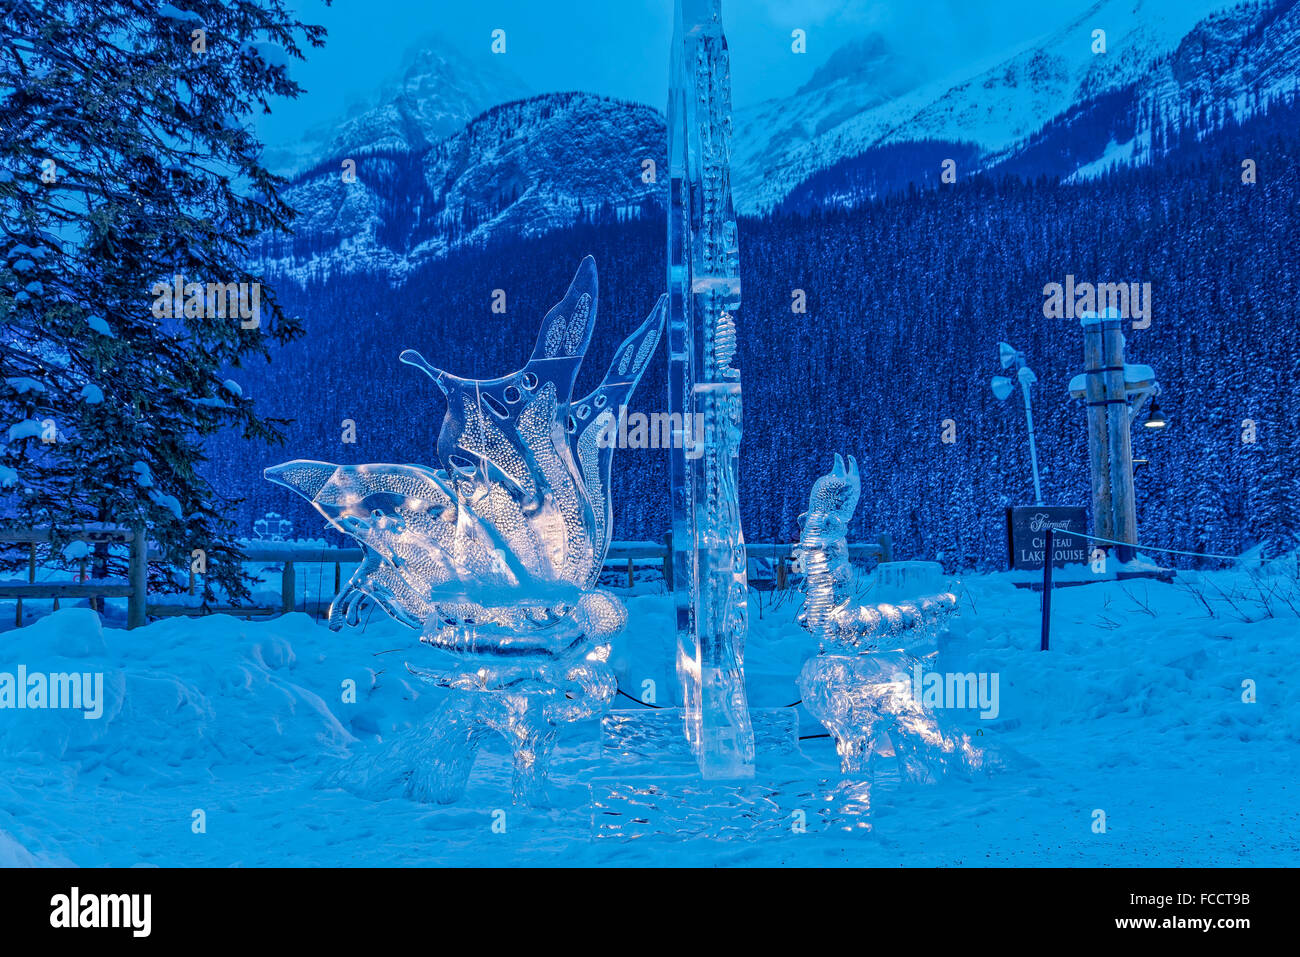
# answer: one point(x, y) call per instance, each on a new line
point(495, 556)
point(841, 624)
point(858, 685)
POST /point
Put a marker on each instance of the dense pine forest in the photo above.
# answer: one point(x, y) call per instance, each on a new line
point(907, 298)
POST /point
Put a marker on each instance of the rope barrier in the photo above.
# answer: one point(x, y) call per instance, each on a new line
point(1154, 548)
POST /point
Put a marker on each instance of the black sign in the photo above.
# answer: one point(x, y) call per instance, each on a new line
point(1027, 535)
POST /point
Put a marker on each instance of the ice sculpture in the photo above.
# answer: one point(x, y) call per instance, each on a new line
point(496, 555)
point(859, 683)
point(709, 561)
point(842, 625)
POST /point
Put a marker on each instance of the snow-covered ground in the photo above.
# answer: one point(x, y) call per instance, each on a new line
point(1137, 711)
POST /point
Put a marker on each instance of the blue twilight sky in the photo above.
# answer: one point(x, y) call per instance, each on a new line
point(620, 47)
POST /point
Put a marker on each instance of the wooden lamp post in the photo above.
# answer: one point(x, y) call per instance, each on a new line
point(1116, 392)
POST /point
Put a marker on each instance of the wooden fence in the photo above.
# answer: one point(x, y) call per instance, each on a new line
point(620, 555)
point(133, 589)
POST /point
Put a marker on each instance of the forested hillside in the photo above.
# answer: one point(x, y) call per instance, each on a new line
point(907, 298)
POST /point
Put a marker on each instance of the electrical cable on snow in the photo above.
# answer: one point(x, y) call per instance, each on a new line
point(660, 707)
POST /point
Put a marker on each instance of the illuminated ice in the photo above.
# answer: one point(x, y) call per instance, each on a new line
point(841, 624)
point(709, 559)
point(859, 685)
point(495, 556)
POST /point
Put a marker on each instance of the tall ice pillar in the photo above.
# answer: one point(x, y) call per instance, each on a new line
point(709, 563)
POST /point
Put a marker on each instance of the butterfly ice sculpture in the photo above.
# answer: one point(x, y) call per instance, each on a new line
point(500, 549)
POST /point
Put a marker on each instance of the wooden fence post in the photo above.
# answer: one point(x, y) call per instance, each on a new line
point(886, 547)
point(288, 588)
point(31, 577)
point(668, 561)
point(139, 577)
point(135, 590)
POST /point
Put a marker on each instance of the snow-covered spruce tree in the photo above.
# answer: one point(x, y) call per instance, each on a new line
point(126, 162)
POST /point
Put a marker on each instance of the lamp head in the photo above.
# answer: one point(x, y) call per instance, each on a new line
point(1002, 386)
point(1155, 420)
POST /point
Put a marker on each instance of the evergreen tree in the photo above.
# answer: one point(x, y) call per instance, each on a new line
point(125, 162)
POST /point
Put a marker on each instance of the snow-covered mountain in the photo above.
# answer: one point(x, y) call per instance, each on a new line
point(439, 166)
point(1235, 60)
point(519, 169)
point(436, 91)
point(999, 105)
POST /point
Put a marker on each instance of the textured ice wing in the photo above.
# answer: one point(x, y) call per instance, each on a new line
point(594, 413)
point(505, 538)
point(504, 445)
point(380, 582)
point(354, 497)
point(482, 428)
point(566, 330)
point(403, 513)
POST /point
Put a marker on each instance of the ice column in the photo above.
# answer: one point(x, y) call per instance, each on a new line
point(709, 564)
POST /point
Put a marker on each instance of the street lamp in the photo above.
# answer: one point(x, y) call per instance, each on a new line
point(1002, 389)
point(1155, 419)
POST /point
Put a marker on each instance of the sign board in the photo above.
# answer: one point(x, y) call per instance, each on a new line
point(1027, 536)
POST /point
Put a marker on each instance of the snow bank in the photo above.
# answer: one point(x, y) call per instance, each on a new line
point(183, 697)
point(1169, 708)
point(13, 854)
